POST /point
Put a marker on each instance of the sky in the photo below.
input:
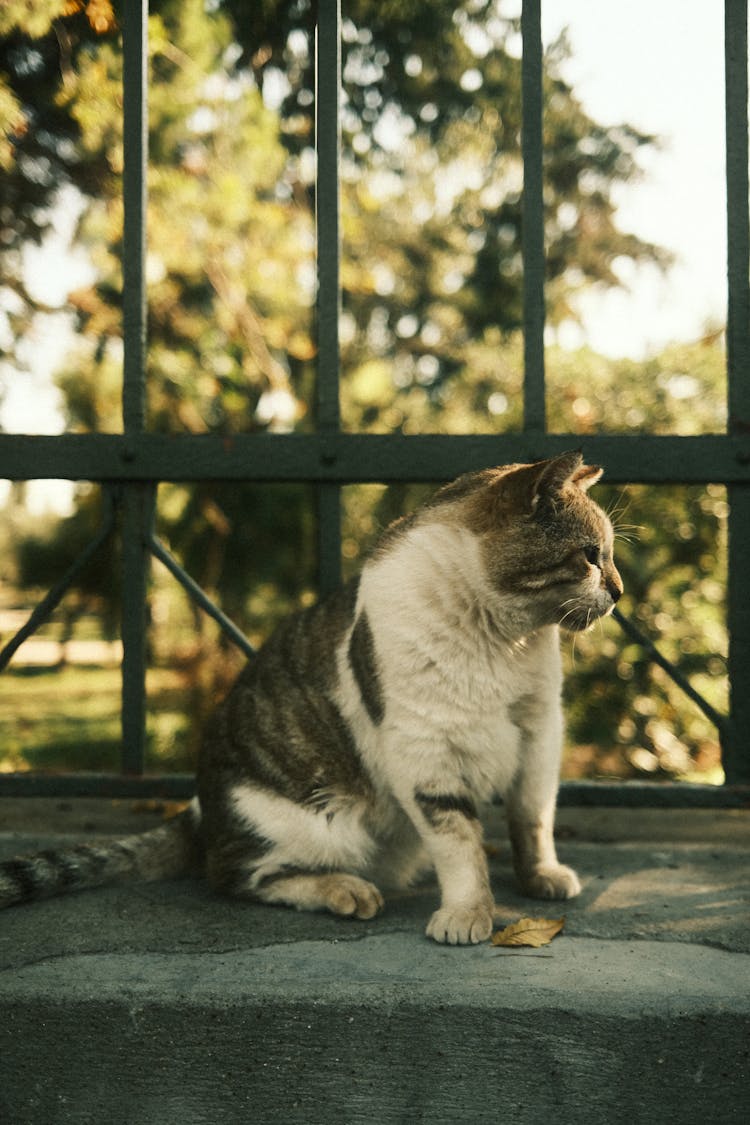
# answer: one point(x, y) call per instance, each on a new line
point(657, 64)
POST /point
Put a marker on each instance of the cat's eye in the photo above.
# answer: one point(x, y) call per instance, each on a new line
point(593, 554)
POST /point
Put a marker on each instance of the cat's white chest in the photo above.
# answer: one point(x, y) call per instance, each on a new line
point(449, 677)
point(481, 717)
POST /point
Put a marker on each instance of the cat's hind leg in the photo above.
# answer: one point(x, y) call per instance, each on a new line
point(304, 856)
point(267, 876)
point(336, 891)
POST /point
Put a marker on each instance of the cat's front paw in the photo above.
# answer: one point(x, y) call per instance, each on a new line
point(552, 882)
point(460, 925)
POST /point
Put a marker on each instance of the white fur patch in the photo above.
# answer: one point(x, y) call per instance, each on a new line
point(302, 837)
point(449, 670)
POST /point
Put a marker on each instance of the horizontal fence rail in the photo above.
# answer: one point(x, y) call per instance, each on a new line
point(131, 464)
point(349, 457)
point(181, 787)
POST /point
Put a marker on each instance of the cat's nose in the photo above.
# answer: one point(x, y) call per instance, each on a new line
point(613, 582)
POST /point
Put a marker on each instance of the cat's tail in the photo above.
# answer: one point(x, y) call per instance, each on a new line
point(169, 851)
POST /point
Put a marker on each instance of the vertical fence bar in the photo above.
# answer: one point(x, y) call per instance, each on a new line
point(137, 499)
point(135, 144)
point(737, 745)
point(137, 519)
point(533, 218)
point(327, 210)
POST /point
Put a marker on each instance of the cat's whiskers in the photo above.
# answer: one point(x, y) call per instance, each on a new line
point(619, 532)
point(576, 604)
point(619, 507)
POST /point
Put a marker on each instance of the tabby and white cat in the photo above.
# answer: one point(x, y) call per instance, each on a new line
point(356, 747)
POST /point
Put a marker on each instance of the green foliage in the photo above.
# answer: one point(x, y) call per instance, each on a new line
point(228, 296)
point(237, 539)
point(628, 713)
point(431, 194)
point(682, 390)
point(41, 44)
point(432, 202)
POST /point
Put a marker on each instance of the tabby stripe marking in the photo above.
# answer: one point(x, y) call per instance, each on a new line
point(434, 806)
point(364, 667)
point(22, 873)
point(289, 871)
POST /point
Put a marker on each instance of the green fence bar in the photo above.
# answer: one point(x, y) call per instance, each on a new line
point(327, 213)
point(350, 457)
point(736, 746)
point(135, 145)
point(137, 518)
point(138, 499)
point(533, 218)
point(327, 208)
point(194, 591)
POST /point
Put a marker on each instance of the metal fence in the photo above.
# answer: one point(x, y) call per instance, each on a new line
point(130, 465)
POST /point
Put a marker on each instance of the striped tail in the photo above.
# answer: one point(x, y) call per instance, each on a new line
point(166, 852)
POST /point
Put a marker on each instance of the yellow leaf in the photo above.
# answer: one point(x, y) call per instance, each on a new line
point(534, 932)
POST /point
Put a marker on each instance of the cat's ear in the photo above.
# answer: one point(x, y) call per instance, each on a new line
point(586, 476)
point(557, 472)
point(544, 481)
point(568, 468)
point(527, 489)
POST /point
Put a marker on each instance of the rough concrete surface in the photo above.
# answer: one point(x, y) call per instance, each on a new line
point(162, 1003)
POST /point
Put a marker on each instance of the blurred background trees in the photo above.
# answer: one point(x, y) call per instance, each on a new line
point(431, 274)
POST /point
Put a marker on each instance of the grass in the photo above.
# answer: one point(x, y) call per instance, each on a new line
point(69, 719)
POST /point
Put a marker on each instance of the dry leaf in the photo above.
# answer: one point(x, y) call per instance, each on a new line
point(158, 805)
point(534, 932)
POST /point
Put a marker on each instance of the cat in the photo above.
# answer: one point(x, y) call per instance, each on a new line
point(356, 748)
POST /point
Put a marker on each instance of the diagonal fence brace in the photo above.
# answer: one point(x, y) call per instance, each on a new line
point(199, 596)
point(49, 603)
point(635, 634)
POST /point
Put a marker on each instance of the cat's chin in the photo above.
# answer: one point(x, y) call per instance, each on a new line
point(581, 624)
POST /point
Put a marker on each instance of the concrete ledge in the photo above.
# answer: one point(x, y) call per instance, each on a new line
point(160, 1003)
point(382, 1030)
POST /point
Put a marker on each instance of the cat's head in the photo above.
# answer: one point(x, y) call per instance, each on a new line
point(547, 547)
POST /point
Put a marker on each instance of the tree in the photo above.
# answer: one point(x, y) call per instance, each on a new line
point(431, 162)
point(40, 47)
point(432, 189)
